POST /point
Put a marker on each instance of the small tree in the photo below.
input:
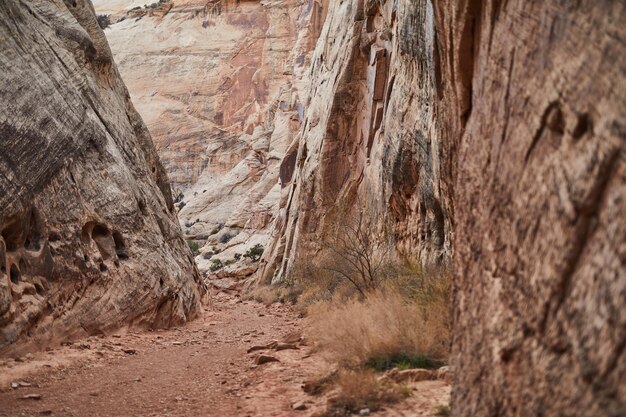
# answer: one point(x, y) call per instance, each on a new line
point(355, 254)
point(216, 265)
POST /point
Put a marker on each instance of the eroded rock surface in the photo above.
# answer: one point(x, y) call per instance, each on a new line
point(368, 140)
point(495, 129)
point(221, 87)
point(536, 119)
point(89, 235)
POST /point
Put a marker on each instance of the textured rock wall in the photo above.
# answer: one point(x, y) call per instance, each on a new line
point(533, 103)
point(368, 139)
point(89, 236)
point(501, 135)
point(221, 86)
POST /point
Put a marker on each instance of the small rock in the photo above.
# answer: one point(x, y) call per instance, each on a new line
point(46, 412)
point(285, 346)
point(20, 384)
point(129, 351)
point(364, 412)
point(262, 359)
point(30, 397)
point(299, 406)
point(29, 356)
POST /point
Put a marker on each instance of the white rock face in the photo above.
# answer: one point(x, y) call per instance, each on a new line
point(220, 86)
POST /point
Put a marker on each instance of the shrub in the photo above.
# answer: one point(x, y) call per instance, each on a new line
point(226, 237)
point(217, 229)
point(104, 21)
point(383, 330)
point(237, 256)
point(254, 253)
point(208, 255)
point(360, 389)
point(442, 411)
point(354, 254)
point(178, 196)
point(194, 246)
point(216, 265)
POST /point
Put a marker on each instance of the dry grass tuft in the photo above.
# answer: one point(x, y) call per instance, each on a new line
point(360, 389)
point(388, 328)
point(269, 295)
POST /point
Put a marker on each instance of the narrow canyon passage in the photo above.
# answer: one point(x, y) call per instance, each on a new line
point(201, 369)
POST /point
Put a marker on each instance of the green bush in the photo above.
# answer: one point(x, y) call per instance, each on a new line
point(254, 253)
point(216, 265)
point(194, 246)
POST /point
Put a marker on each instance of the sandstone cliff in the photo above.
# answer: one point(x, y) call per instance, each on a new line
point(496, 129)
point(368, 140)
point(221, 86)
point(89, 235)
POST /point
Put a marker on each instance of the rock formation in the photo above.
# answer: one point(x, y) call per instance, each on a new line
point(496, 129)
point(220, 85)
point(534, 112)
point(488, 136)
point(368, 140)
point(89, 235)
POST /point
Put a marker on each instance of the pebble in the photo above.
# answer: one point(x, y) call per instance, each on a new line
point(299, 406)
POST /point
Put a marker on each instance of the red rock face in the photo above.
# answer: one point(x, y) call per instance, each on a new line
point(537, 111)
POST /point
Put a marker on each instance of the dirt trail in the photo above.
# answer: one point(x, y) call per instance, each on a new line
point(202, 369)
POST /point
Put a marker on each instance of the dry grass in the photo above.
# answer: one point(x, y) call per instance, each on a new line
point(397, 325)
point(269, 295)
point(360, 389)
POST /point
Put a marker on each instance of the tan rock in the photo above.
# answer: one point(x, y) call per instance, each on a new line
point(89, 235)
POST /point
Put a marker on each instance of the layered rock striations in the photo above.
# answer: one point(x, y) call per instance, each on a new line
point(490, 136)
point(368, 140)
point(221, 86)
point(89, 235)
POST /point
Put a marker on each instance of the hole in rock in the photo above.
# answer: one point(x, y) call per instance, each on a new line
point(583, 125)
point(103, 267)
point(15, 274)
point(120, 246)
point(99, 231)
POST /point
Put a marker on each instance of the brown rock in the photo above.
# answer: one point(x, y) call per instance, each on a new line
point(30, 397)
point(409, 375)
point(263, 359)
point(300, 405)
point(88, 227)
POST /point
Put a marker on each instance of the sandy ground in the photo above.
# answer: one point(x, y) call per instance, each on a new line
point(202, 369)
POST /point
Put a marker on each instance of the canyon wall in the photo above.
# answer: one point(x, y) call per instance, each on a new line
point(533, 108)
point(369, 141)
point(220, 85)
point(89, 235)
point(496, 128)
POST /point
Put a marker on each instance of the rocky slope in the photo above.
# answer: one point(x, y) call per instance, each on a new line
point(89, 235)
point(220, 85)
